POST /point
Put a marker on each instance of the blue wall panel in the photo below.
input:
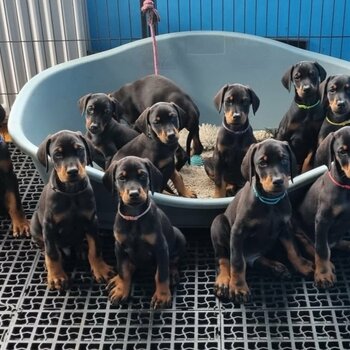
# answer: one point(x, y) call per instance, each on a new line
point(323, 24)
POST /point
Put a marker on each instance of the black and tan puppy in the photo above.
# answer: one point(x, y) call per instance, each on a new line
point(336, 99)
point(143, 233)
point(158, 142)
point(302, 122)
point(10, 201)
point(101, 113)
point(323, 217)
point(233, 139)
point(135, 97)
point(66, 213)
point(258, 216)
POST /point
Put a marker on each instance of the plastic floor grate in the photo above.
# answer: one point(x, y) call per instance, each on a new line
point(282, 315)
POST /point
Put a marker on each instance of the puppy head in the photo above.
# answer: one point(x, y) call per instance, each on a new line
point(98, 110)
point(336, 146)
point(132, 177)
point(162, 120)
point(271, 162)
point(306, 77)
point(236, 100)
point(335, 93)
point(69, 151)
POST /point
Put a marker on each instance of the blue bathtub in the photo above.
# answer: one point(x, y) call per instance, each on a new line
point(199, 62)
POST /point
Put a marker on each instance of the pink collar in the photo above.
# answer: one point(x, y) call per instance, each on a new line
point(337, 183)
point(134, 218)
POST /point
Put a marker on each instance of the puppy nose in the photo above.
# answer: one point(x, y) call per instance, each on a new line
point(72, 170)
point(306, 87)
point(93, 127)
point(341, 103)
point(236, 115)
point(134, 194)
point(277, 181)
point(171, 134)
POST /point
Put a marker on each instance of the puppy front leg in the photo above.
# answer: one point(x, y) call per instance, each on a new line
point(56, 277)
point(162, 295)
point(120, 285)
point(324, 269)
point(239, 290)
point(220, 184)
point(178, 182)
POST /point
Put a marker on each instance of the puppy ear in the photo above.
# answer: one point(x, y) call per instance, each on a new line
point(292, 161)
point(108, 178)
point(325, 152)
point(89, 148)
point(247, 166)
point(118, 110)
point(219, 97)
point(141, 123)
point(321, 71)
point(255, 100)
point(323, 90)
point(288, 78)
point(181, 114)
point(43, 152)
point(83, 101)
point(155, 176)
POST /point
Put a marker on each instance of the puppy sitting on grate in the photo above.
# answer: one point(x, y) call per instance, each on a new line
point(258, 216)
point(10, 201)
point(143, 233)
point(323, 216)
point(233, 139)
point(66, 214)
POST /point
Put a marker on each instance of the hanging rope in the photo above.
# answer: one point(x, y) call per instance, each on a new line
point(152, 16)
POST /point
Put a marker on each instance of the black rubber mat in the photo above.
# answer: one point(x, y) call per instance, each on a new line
point(282, 315)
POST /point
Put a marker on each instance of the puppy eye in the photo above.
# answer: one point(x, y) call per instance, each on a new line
point(58, 155)
point(229, 102)
point(342, 151)
point(262, 163)
point(121, 178)
point(90, 110)
point(332, 90)
point(142, 176)
point(297, 76)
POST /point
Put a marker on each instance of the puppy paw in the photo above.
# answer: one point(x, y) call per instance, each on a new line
point(57, 281)
point(118, 290)
point(161, 298)
point(325, 277)
point(21, 227)
point(221, 286)
point(280, 271)
point(306, 267)
point(102, 272)
point(239, 292)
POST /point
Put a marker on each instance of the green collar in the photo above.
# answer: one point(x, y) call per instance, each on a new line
point(345, 122)
point(308, 107)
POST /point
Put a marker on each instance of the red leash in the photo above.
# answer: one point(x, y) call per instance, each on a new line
point(152, 17)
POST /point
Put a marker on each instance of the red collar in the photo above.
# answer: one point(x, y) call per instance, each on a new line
point(337, 183)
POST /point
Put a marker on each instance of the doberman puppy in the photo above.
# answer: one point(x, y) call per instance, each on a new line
point(135, 97)
point(101, 113)
point(323, 217)
point(66, 213)
point(336, 98)
point(143, 233)
point(258, 216)
point(158, 142)
point(233, 139)
point(10, 201)
point(301, 124)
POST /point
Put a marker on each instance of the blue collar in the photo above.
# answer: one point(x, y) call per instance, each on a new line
point(2, 140)
point(268, 200)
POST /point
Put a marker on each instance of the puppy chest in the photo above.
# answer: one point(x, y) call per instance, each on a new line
point(139, 247)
